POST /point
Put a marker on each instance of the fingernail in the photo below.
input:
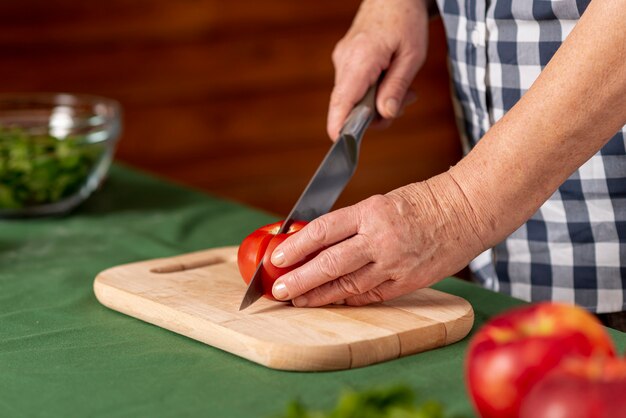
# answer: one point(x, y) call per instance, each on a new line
point(299, 302)
point(278, 258)
point(280, 290)
point(392, 106)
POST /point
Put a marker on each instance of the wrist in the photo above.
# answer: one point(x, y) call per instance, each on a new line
point(477, 210)
point(439, 202)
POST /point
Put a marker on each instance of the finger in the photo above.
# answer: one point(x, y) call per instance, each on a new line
point(316, 235)
point(355, 72)
point(387, 290)
point(336, 261)
point(394, 87)
point(381, 123)
point(342, 288)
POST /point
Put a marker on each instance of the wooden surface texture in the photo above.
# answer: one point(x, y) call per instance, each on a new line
point(198, 295)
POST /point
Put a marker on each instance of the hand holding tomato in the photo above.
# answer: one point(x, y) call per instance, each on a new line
point(510, 354)
point(380, 248)
point(259, 246)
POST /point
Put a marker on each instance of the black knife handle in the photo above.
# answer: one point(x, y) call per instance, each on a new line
point(362, 114)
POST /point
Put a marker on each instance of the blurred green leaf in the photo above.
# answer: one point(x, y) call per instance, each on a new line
point(39, 169)
point(391, 402)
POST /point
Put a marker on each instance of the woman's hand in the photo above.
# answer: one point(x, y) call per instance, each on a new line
point(387, 35)
point(382, 247)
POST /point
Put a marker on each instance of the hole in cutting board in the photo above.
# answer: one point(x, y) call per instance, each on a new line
point(173, 268)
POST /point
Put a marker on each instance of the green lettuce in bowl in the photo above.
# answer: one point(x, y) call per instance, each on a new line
point(55, 150)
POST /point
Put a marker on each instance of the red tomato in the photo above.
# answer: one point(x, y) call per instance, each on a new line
point(258, 246)
point(580, 388)
point(513, 351)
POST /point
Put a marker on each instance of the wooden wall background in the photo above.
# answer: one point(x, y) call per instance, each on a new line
point(229, 97)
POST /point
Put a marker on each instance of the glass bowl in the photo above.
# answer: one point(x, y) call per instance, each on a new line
point(55, 150)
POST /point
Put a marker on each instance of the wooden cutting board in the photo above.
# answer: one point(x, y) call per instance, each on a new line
point(198, 295)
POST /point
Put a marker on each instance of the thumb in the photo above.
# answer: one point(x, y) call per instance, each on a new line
point(395, 85)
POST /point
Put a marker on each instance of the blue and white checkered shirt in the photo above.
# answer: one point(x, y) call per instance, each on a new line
point(574, 248)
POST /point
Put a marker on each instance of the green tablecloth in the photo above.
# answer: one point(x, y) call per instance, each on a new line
point(63, 354)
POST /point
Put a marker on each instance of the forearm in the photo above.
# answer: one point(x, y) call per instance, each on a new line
point(572, 110)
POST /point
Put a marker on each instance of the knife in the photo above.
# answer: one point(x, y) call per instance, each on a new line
point(329, 180)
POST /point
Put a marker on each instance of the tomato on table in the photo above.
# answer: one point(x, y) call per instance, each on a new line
point(515, 350)
point(258, 246)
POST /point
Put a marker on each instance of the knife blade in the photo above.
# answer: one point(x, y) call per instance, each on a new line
point(329, 180)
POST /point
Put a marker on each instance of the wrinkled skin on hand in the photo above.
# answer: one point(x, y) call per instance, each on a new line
point(381, 248)
point(389, 35)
